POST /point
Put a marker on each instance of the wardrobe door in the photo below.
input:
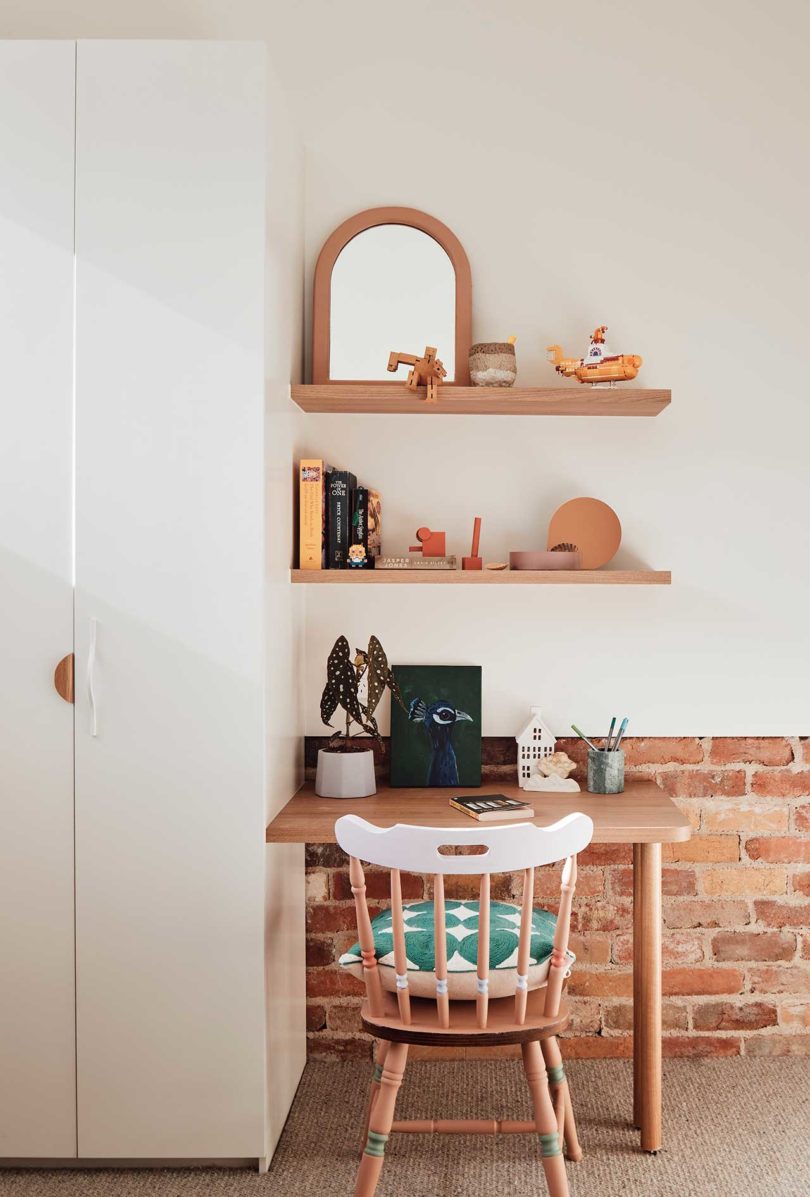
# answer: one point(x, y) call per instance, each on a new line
point(37, 1044)
point(169, 636)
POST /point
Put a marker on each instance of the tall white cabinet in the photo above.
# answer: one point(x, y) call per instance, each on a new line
point(132, 520)
point(37, 997)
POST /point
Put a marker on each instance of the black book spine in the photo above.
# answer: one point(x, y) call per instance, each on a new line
point(341, 486)
point(359, 531)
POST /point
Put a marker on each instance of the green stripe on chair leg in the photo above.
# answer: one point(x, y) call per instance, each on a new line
point(376, 1144)
point(377, 1077)
point(555, 1074)
point(550, 1144)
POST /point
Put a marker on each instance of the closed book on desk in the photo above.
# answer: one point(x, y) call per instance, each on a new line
point(493, 808)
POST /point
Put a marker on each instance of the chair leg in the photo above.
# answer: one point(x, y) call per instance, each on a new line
point(558, 1084)
point(545, 1120)
point(374, 1088)
point(380, 1119)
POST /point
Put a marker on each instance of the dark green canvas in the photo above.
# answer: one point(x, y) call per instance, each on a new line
point(436, 740)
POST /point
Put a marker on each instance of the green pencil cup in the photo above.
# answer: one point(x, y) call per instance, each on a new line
point(605, 772)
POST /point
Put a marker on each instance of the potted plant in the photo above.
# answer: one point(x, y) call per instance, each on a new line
point(346, 765)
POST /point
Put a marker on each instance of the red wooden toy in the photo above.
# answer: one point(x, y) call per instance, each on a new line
point(431, 544)
point(474, 561)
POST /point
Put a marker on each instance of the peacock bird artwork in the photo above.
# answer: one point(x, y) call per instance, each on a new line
point(439, 719)
point(436, 731)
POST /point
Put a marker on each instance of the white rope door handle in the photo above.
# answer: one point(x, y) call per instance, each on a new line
point(91, 677)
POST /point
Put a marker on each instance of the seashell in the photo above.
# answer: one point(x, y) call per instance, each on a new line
point(559, 764)
point(564, 547)
point(553, 784)
point(495, 565)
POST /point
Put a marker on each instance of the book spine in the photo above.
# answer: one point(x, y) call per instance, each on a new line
point(465, 810)
point(374, 524)
point(312, 475)
point(361, 550)
point(341, 485)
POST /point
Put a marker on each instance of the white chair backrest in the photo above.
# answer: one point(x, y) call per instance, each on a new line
point(509, 849)
point(517, 847)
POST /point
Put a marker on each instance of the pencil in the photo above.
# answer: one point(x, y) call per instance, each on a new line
point(610, 733)
point(582, 736)
point(622, 730)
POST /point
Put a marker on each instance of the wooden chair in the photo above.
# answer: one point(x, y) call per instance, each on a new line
point(531, 1017)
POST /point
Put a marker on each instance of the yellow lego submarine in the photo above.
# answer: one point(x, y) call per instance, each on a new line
point(600, 366)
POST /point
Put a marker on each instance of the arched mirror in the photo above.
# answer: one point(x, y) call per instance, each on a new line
point(390, 279)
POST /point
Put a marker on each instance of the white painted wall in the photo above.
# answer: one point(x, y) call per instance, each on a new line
point(630, 165)
point(637, 166)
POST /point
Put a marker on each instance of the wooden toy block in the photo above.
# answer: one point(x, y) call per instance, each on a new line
point(474, 561)
point(428, 371)
point(431, 544)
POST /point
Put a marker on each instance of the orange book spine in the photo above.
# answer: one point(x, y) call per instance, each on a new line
point(311, 511)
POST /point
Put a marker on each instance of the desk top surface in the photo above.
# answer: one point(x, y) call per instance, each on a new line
point(643, 814)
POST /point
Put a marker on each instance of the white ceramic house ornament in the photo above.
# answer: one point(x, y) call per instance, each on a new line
point(534, 743)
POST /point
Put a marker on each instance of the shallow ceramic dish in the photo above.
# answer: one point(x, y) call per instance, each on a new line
point(547, 560)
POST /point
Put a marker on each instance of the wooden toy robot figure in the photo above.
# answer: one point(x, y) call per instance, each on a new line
point(427, 371)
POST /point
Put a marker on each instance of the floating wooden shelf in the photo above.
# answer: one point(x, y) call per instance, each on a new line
point(486, 577)
point(385, 398)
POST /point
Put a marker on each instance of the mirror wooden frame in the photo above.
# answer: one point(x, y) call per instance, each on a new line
point(322, 289)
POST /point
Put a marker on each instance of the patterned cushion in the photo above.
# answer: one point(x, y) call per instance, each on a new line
point(461, 924)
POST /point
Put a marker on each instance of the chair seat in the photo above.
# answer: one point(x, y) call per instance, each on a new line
point(461, 929)
point(501, 1028)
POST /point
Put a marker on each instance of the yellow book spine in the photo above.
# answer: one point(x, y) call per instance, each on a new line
point(311, 506)
point(465, 810)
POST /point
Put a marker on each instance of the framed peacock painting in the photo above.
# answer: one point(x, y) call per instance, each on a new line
point(436, 734)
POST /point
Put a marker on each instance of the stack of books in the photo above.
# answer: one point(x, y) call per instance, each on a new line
point(339, 521)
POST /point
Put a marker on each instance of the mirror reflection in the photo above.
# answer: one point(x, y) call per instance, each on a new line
point(393, 288)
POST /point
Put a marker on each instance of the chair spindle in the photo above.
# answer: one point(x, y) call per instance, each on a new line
point(559, 961)
point(482, 997)
point(440, 940)
point(524, 944)
point(366, 937)
point(400, 956)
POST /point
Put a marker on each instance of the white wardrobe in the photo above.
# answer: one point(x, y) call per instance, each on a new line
point(132, 495)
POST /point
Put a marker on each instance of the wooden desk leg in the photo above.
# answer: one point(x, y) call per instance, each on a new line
point(637, 967)
point(647, 993)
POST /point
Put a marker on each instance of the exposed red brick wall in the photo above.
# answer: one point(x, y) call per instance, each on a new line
point(736, 909)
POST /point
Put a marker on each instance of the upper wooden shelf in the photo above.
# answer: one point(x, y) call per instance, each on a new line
point(486, 577)
point(385, 398)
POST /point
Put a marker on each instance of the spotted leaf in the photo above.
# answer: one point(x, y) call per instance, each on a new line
point(341, 685)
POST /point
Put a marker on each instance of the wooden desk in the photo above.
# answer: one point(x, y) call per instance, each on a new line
point(642, 816)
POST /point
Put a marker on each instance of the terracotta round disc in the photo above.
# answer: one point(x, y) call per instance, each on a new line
point(589, 524)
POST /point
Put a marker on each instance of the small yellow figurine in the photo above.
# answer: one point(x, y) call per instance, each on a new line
point(600, 366)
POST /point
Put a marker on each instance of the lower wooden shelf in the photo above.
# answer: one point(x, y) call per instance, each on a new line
point(486, 577)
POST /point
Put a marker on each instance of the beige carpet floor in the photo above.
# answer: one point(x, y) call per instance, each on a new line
point(734, 1128)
